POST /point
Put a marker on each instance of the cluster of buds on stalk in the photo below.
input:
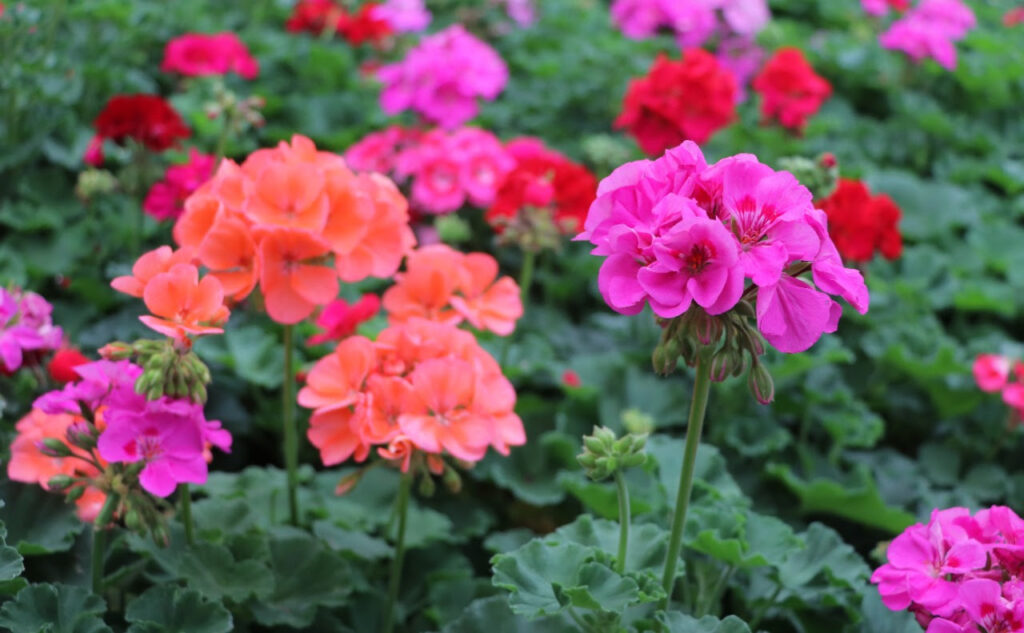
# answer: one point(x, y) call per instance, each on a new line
point(820, 174)
point(604, 454)
point(95, 182)
point(730, 342)
point(169, 369)
point(533, 230)
point(239, 113)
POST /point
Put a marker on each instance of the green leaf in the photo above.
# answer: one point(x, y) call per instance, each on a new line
point(306, 576)
point(354, 542)
point(677, 622)
point(858, 501)
point(38, 522)
point(54, 609)
point(11, 563)
point(646, 548)
point(739, 537)
point(494, 616)
point(170, 609)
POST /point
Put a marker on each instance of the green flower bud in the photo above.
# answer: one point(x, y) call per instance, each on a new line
point(57, 483)
point(760, 383)
point(106, 514)
point(53, 447)
point(427, 486)
point(452, 229)
point(452, 480)
point(74, 494)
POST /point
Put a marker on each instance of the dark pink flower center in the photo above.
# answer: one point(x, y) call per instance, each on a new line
point(699, 256)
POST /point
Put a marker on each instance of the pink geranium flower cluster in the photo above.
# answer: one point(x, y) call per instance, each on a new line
point(171, 436)
point(166, 199)
point(995, 373)
point(404, 16)
point(444, 170)
point(677, 232)
point(693, 21)
point(959, 573)
point(26, 329)
point(199, 55)
point(930, 30)
point(442, 78)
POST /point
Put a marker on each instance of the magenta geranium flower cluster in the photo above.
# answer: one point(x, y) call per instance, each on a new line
point(171, 436)
point(25, 327)
point(958, 573)
point(442, 78)
point(930, 29)
point(694, 22)
point(677, 232)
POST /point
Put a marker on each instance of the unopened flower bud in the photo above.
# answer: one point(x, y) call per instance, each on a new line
point(81, 434)
point(452, 229)
point(761, 384)
point(53, 447)
point(160, 535)
point(636, 421)
point(132, 520)
point(58, 483)
point(116, 351)
point(427, 486)
point(106, 514)
point(452, 480)
point(633, 460)
point(74, 494)
point(348, 482)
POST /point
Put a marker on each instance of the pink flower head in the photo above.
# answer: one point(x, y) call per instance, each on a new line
point(94, 152)
point(339, 319)
point(197, 55)
point(166, 199)
point(442, 78)
point(26, 328)
point(693, 21)
point(930, 30)
point(169, 435)
point(404, 16)
point(102, 382)
point(991, 372)
point(522, 12)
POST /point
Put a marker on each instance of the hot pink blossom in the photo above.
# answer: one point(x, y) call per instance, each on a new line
point(693, 21)
point(26, 329)
point(991, 372)
point(166, 199)
point(94, 152)
point(442, 78)
point(197, 55)
point(404, 16)
point(930, 30)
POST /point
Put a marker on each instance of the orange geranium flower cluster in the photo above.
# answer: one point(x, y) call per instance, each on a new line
point(30, 464)
point(183, 305)
point(444, 285)
point(294, 220)
point(421, 386)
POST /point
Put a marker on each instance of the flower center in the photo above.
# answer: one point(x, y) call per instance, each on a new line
point(699, 257)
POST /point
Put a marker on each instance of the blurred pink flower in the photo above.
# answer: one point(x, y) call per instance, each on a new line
point(166, 199)
point(991, 371)
point(442, 78)
point(930, 30)
point(404, 16)
point(197, 55)
point(340, 319)
point(94, 152)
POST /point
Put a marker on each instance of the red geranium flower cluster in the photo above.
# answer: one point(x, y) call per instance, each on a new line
point(679, 100)
point(364, 25)
point(860, 223)
point(546, 180)
point(791, 92)
point(148, 119)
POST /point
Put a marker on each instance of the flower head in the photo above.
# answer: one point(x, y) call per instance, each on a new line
point(166, 198)
point(791, 92)
point(26, 329)
point(197, 55)
point(340, 319)
point(930, 30)
point(147, 119)
point(861, 224)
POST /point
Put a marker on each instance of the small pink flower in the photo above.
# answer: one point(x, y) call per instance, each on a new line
point(339, 319)
point(404, 16)
point(991, 371)
point(930, 30)
point(166, 199)
point(94, 152)
point(571, 379)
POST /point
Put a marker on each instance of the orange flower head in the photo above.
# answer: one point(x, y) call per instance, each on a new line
point(387, 239)
point(291, 277)
point(337, 380)
point(183, 304)
point(425, 290)
point(228, 250)
point(336, 434)
point(487, 304)
point(148, 266)
point(399, 450)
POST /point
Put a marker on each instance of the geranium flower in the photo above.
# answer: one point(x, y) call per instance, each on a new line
point(791, 92)
point(62, 366)
point(166, 199)
point(930, 30)
point(404, 16)
point(183, 304)
point(860, 224)
point(148, 119)
point(688, 99)
point(339, 319)
point(149, 265)
point(198, 55)
point(26, 328)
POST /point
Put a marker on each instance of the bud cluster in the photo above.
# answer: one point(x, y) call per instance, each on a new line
point(240, 113)
point(533, 229)
point(730, 342)
point(168, 370)
point(604, 454)
point(820, 175)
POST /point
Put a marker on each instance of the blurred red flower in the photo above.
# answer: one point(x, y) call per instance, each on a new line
point(860, 224)
point(148, 119)
point(340, 319)
point(62, 365)
point(790, 90)
point(678, 100)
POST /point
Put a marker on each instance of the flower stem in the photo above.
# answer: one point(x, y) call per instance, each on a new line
point(402, 510)
point(291, 439)
point(526, 275)
point(698, 406)
point(186, 514)
point(99, 548)
point(620, 482)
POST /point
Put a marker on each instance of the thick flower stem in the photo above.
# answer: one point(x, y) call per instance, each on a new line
point(186, 514)
point(402, 510)
point(526, 275)
point(624, 519)
point(291, 434)
point(698, 406)
point(99, 547)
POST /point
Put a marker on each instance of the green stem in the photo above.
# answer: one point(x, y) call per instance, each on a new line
point(291, 434)
point(222, 139)
point(402, 510)
point(764, 608)
point(620, 483)
point(698, 407)
point(526, 275)
point(186, 514)
point(98, 554)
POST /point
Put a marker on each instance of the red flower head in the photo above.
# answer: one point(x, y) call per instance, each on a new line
point(544, 179)
point(146, 118)
point(340, 319)
point(1014, 17)
point(688, 99)
point(790, 90)
point(313, 16)
point(860, 224)
point(62, 365)
point(363, 26)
